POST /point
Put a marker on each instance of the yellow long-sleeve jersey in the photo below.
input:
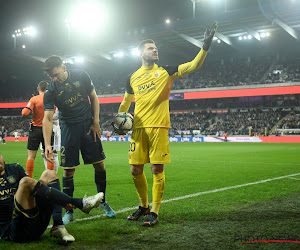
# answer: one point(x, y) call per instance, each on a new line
point(151, 87)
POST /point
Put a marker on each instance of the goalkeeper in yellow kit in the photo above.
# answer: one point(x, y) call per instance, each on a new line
point(151, 86)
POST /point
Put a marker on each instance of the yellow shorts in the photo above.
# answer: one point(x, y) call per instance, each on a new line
point(149, 145)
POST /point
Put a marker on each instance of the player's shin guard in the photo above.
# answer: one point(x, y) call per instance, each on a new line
point(45, 160)
point(56, 162)
point(68, 187)
point(57, 209)
point(157, 191)
point(41, 191)
point(141, 187)
point(30, 167)
point(100, 180)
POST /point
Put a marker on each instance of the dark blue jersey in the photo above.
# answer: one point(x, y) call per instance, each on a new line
point(9, 183)
point(71, 97)
point(3, 132)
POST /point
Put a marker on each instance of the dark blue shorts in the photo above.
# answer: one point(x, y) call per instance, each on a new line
point(29, 225)
point(74, 138)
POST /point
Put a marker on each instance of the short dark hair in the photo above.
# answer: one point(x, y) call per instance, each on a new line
point(43, 86)
point(142, 44)
point(52, 62)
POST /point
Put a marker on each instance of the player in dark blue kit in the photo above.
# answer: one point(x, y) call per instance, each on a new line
point(26, 204)
point(74, 94)
point(3, 133)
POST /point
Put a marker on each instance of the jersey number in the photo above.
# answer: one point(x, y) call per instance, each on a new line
point(62, 151)
point(132, 147)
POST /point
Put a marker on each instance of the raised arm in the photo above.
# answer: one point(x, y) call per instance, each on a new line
point(189, 67)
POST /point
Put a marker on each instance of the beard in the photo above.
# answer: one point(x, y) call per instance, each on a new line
point(150, 59)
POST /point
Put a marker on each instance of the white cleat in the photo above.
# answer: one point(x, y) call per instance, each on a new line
point(61, 232)
point(91, 202)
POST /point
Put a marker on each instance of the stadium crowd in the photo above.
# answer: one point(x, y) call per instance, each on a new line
point(235, 72)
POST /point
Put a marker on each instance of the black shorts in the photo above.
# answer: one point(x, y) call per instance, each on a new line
point(29, 225)
point(36, 137)
point(74, 138)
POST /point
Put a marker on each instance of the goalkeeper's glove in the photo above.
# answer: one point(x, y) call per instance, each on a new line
point(209, 35)
point(117, 130)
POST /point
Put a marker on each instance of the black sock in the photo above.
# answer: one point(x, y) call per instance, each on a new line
point(68, 187)
point(100, 180)
point(55, 196)
point(57, 209)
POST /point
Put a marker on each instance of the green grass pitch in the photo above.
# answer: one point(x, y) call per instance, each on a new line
point(214, 194)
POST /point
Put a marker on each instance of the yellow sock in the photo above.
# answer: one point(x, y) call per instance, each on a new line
point(157, 191)
point(141, 187)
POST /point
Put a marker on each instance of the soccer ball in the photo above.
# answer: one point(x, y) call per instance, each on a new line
point(123, 122)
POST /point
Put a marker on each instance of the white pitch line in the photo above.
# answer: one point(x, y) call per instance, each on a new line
point(191, 195)
point(251, 162)
point(294, 178)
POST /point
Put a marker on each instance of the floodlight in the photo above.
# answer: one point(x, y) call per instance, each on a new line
point(219, 41)
point(23, 46)
point(168, 21)
point(32, 32)
point(135, 52)
point(19, 30)
point(215, 38)
point(262, 34)
point(16, 31)
point(119, 54)
point(87, 17)
point(245, 37)
point(267, 34)
point(249, 37)
point(240, 38)
point(79, 59)
point(13, 35)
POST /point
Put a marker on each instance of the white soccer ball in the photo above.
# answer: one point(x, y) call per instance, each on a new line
point(123, 122)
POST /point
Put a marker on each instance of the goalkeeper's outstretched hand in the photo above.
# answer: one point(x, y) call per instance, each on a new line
point(117, 130)
point(209, 35)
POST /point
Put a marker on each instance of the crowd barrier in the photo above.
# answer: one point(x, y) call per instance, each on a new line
point(278, 139)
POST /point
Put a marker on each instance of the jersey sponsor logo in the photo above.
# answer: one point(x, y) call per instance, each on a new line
point(6, 193)
point(74, 100)
point(139, 78)
point(11, 179)
point(156, 74)
point(77, 84)
point(148, 87)
point(147, 75)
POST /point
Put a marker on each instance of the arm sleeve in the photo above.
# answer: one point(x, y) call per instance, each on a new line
point(189, 67)
point(124, 107)
point(26, 111)
point(21, 171)
point(128, 87)
point(87, 82)
point(49, 100)
point(29, 107)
